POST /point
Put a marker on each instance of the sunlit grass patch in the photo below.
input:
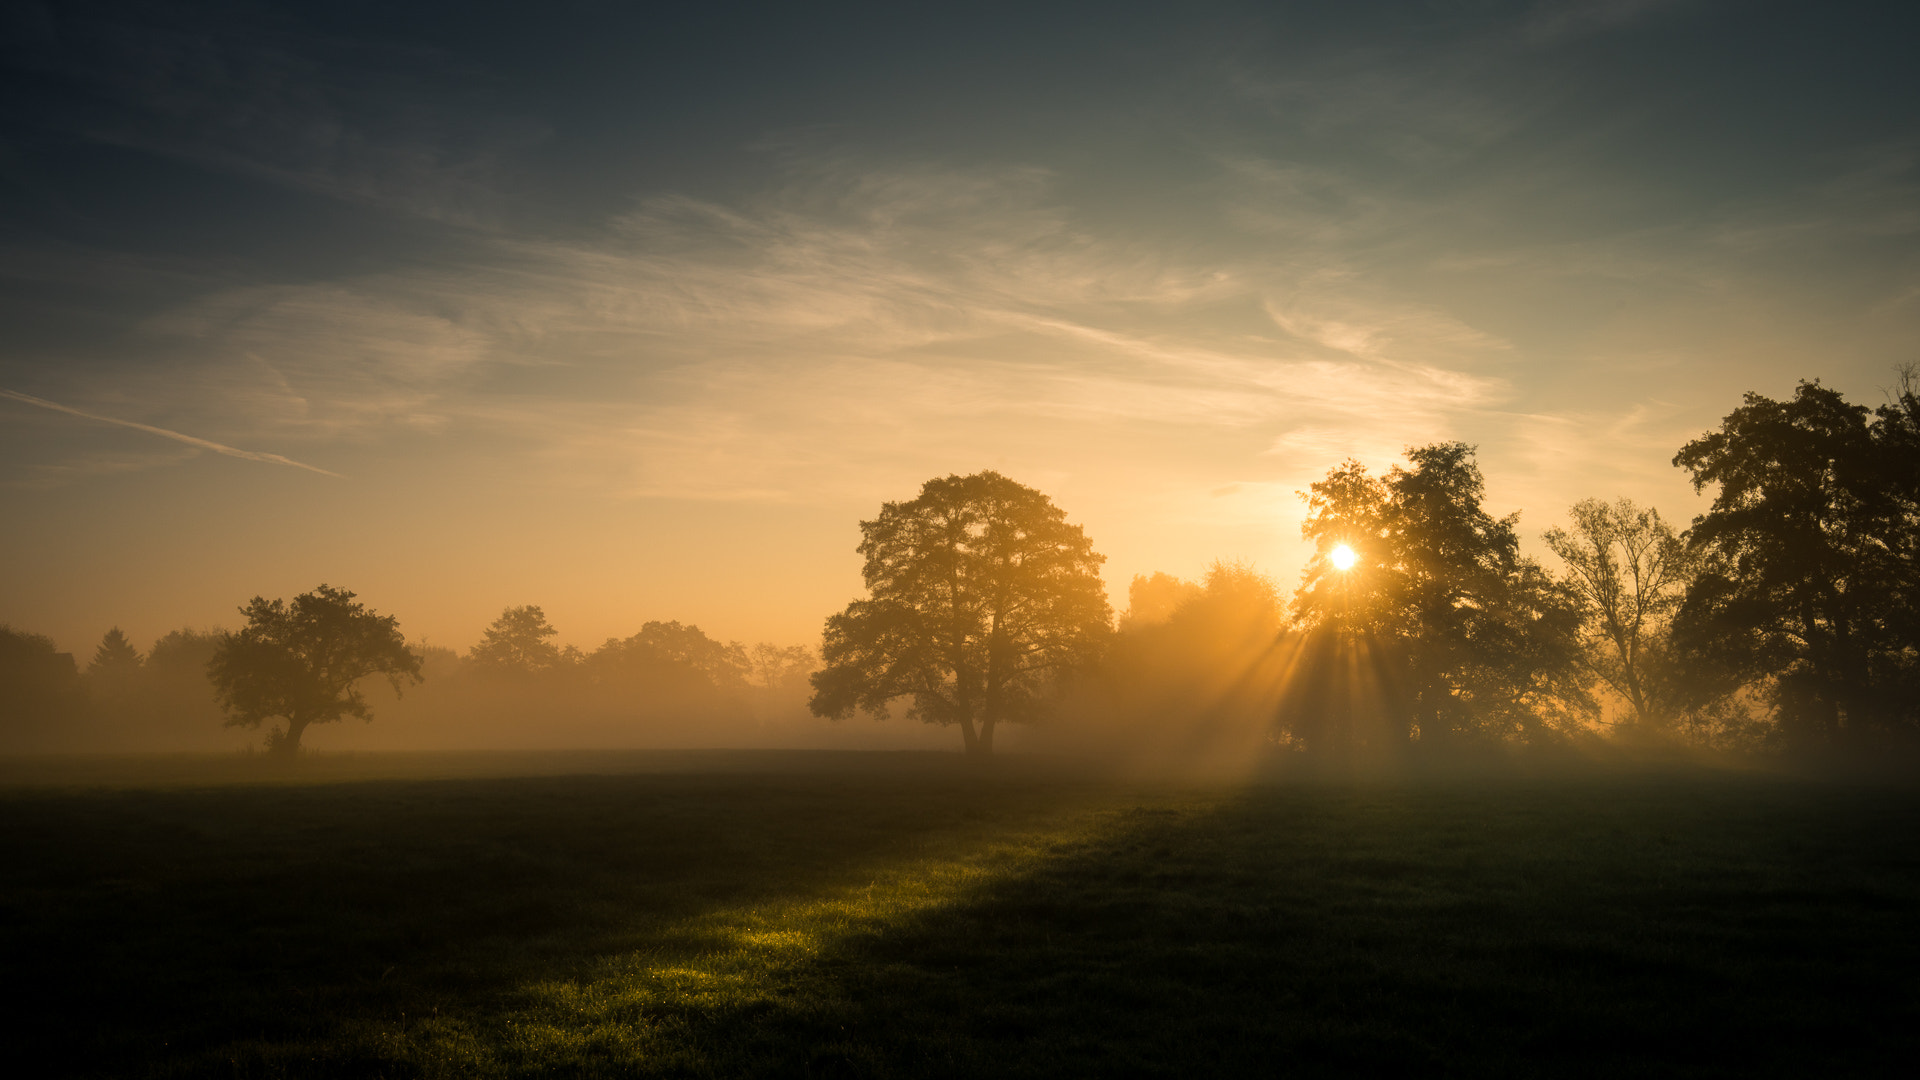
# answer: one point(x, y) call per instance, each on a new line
point(735, 969)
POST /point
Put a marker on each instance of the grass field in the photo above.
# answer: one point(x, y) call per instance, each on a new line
point(903, 915)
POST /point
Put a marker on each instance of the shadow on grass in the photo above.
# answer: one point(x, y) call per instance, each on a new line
point(279, 928)
point(959, 925)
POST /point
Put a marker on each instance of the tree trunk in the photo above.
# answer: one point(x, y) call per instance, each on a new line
point(289, 744)
point(985, 746)
point(966, 733)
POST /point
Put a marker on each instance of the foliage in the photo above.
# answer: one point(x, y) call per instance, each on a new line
point(178, 697)
point(115, 658)
point(516, 644)
point(774, 667)
point(1809, 581)
point(1154, 599)
point(672, 652)
point(300, 662)
point(1235, 605)
point(40, 691)
point(980, 593)
point(1629, 571)
point(1196, 687)
point(1454, 633)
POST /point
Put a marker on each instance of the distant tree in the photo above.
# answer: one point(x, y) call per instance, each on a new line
point(980, 592)
point(1234, 602)
point(672, 653)
point(1465, 636)
point(516, 644)
point(1809, 549)
point(40, 690)
point(114, 677)
point(774, 667)
point(175, 690)
point(1629, 571)
point(1198, 684)
point(185, 651)
point(686, 645)
point(301, 662)
point(1154, 599)
point(114, 657)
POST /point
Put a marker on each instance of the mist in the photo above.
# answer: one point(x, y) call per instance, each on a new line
point(1776, 626)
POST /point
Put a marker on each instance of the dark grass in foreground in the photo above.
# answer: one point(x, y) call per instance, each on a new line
point(925, 919)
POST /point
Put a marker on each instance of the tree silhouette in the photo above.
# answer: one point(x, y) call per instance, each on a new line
point(979, 592)
point(115, 656)
point(1462, 635)
point(672, 653)
point(775, 667)
point(1153, 600)
point(1810, 559)
point(1630, 572)
point(516, 643)
point(39, 690)
point(1198, 681)
point(300, 662)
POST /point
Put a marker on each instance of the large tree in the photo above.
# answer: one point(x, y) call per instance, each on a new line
point(980, 592)
point(1452, 630)
point(300, 662)
point(1810, 559)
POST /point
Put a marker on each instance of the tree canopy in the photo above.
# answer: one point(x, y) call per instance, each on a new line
point(1629, 572)
point(1458, 634)
point(114, 657)
point(516, 643)
point(980, 591)
point(300, 662)
point(1809, 549)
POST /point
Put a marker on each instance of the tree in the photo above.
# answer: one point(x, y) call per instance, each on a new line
point(1153, 600)
point(775, 667)
point(516, 643)
point(114, 657)
point(1809, 580)
point(1629, 572)
point(980, 592)
point(115, 666)
point(1196, 682)
point(39, 690)
point(177, 695)
point(301, 662)
point(673, 653)
point(1453, 631)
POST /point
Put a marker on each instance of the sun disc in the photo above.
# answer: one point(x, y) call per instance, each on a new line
point(1343, 557)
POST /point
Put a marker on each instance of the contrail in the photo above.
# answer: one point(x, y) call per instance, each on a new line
point(204, 444)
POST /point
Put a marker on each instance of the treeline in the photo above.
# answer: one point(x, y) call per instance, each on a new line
point(1786, 618)
point(669, 684)
point(121, 700)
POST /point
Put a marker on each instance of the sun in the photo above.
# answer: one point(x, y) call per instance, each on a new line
point(1343, 557)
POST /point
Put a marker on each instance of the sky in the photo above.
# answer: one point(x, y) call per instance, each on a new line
point(635, 313)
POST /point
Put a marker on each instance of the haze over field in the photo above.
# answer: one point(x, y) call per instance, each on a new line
point(634, 315)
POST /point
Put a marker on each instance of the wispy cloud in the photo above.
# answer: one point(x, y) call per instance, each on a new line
point(179, 437)
point(860, 319)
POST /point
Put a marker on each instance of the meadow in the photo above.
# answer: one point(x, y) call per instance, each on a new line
point(827, 914)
